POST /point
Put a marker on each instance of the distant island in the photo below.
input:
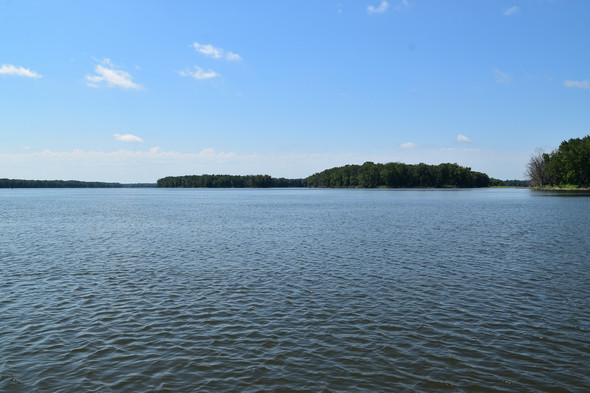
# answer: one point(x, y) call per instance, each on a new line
point(19, 183)
point(228, 181)
point(367, 175)
point(398, 175)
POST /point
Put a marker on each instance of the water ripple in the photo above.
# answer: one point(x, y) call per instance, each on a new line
point(293, 290)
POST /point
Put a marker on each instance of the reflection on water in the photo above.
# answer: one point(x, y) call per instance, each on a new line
point(299, 290)
point(562, 193)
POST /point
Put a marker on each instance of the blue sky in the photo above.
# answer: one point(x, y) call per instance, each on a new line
point(132, 91)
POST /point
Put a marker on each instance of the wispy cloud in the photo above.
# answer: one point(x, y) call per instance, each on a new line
point(408, 145)
point(10, 69)
point(577, 84)
point(405, 4)
point(511, 11)
point(198, 73)
point(128, 138)
point(106, 74)
point(216, 53)
point(232, 56)
point(463, 139)
point(208, 50)
point(502, 77)
point(381, 8)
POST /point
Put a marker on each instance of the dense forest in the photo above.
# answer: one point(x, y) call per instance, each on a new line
point(368, 175)
point(398, 175)
point(510, 183)
point(18, 183)
point(567, 166)
point(228, 181)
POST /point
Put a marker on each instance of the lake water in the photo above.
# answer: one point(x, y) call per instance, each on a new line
point(123, 290)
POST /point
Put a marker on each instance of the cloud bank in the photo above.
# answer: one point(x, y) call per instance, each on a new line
point(135, 166)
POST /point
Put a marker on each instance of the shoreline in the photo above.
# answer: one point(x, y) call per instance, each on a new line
point(559, 189)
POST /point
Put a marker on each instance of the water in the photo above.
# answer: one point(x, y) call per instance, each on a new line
point(126, 290)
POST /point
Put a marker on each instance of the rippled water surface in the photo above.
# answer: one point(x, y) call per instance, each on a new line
point(123, 290)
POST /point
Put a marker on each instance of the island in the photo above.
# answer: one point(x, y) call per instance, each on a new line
point(367, 175)
point(20, 183)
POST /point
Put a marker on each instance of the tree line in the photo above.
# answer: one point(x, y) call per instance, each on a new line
point(228, 181)
point(398, 175)
point(19, 183)
point(367, 175)
point(568, 165)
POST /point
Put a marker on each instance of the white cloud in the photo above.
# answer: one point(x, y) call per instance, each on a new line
point(208, 50)
point(408, 145)
point(577, 84)
point(10, 69)
point(127, 138)
point(381, 8)
point(216, 53)
point(198, 73)
point(232, 56)
point(502, 77)
point(463, 139)
point(511, 11)
point(107, 74)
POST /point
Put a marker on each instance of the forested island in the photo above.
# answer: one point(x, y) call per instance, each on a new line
point(398, 175)
point(228, 181)
point(566, 167)
point(367, 175)
point(20, 183)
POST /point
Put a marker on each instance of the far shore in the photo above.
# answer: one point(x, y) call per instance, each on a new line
point(560, 188)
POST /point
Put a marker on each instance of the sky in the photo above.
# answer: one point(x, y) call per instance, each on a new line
point(132, 91)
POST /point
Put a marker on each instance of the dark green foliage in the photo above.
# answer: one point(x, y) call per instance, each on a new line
point(570, 163)
point(18, 183)
point(398, 175)
point(508, 183)
point(228, 181)
point(138, 185)
point(515, 183)
point(497, 182)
